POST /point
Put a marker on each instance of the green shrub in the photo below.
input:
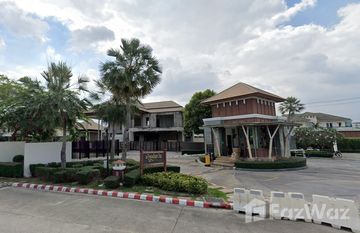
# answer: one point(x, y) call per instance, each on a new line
point(33, 167)
point(149, 170)
point(11, 169)
point(112, 182)
point(131, 178)
point(46, 173)
point(85, 176)
point(322, 154)
point(176, 182)
point(18, 159)
point(350, 145)
point(59, 177)
point(54, 165)
point(65, 175)
point(282, 163)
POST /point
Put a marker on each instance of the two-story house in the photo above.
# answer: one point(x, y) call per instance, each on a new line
point(244, 122)
point(158, 122)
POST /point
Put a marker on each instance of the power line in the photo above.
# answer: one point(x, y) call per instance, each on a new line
point(333, 101)
point(331, 104)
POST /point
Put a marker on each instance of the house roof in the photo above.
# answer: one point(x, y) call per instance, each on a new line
point(162, 106)
point(91, 125)
point(322, 117)
point(242, 90)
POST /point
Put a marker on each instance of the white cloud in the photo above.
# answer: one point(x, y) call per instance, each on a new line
point(90, 36)
point(292, 11)
point(2, 42)
point(51, 55)
point(213, 44)
point(20, 22)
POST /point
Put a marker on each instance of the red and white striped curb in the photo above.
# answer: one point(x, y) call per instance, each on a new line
point(134, 196)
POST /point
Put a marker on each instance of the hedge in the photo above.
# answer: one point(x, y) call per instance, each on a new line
point(131, 178)
point(11, 170)
point(176, 182)
point(85, 176)
point(293, 162)
point(46, 173)
point(112, 182)
point(321, 154)
point(349, 145)
point(33, 167)
point(18, 159)
point(169, 168)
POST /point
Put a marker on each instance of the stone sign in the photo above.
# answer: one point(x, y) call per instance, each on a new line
point(152, 159)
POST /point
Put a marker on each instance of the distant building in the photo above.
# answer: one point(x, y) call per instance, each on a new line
point(242, 117)
point(343, 125)
point(323, 120)
point(158, 122)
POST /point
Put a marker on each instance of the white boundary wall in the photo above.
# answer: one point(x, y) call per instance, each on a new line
point(45, 152)
point(9, 149)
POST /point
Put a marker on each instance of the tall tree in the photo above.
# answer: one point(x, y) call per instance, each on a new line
point(24, 110)
point(114, 113)
point(132, 75)
point(290, 107)
point(65, 99)
point(195, 112)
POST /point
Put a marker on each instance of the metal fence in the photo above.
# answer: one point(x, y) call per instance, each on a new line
point(94, 149)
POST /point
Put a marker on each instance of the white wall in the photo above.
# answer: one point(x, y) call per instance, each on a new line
point(46, 152)
point(9, 149)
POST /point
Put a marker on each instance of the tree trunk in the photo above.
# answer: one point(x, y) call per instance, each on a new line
point(271, 139)
point(287, 140)
point(126, 131)
point(112, 153)
point(246, 133)
point(63, 147)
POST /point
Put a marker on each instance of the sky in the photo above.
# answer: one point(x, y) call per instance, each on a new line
point(309, 49)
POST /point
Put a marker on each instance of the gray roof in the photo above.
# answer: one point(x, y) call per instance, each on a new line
point(322, 117)
point(162, 106)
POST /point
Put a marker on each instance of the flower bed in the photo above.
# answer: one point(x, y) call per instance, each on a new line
point(282, 163)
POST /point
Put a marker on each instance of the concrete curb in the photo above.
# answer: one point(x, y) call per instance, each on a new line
point(125, 195)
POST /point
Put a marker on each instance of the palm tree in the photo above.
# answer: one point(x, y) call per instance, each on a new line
point(290, 106)
point(114, 114)
point(132, 75)
point(64, 98)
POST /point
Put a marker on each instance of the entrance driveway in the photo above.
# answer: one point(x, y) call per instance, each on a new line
point(323, 176)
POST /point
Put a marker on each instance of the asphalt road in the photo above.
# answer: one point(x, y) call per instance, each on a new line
point(323, 176)
point(27, 211)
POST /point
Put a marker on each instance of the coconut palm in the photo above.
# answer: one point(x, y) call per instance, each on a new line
point(64, 99)
point(131, 76)
point(290, 106)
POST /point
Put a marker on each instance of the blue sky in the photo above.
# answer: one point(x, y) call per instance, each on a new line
point(303, 48)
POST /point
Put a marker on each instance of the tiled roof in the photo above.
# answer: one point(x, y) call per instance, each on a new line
point(241, 90)
point(162, 106)
point(324, 117)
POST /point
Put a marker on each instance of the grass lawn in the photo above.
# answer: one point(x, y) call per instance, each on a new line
point(211, 191)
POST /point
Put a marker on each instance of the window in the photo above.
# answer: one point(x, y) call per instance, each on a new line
point(339, 124)
point(147, 121)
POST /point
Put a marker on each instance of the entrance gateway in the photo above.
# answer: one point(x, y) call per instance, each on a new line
point(244, 124)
